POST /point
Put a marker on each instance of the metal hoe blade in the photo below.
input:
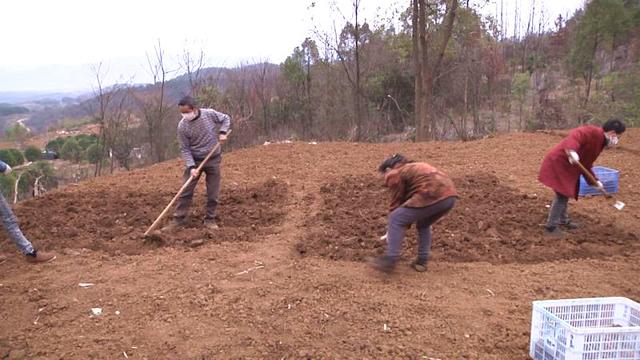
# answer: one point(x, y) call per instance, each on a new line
point(619, 205)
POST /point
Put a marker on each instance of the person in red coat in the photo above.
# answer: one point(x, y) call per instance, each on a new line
point(561, 173)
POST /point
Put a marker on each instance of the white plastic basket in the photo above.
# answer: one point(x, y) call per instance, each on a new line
point(585, 329)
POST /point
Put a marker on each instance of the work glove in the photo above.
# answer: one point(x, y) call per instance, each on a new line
point(573, 157)
point(599, 185)
point(7, 170)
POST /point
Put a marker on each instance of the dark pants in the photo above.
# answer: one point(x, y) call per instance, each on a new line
point(401, 219)
point(212, 172)
point(558, 212)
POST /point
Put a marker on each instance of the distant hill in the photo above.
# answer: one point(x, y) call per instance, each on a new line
point(20, 97)
point(10, 109)
point(48, 109)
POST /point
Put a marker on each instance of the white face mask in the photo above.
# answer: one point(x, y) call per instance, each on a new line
point(189, 116)
point(614, 140)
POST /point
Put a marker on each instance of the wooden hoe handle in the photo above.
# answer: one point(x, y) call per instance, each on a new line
point(191, 178)
point(589, 176)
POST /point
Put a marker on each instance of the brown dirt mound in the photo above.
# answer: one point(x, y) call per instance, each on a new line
point(114, 221)
point(491, 222)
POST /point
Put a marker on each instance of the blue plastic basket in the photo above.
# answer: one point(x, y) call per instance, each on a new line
point(608, 177)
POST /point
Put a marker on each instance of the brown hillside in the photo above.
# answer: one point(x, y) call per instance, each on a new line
point(284, 277)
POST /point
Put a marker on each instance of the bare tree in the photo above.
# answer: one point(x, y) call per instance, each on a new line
point(239, 94)
point(310, 51)
point(427, 66)
point(349, 57)
point(113, 115)
point(263, 80)
point(15, 190)
point(153, 107)
point(192, 64)
point(119, 128)
point(104, 99)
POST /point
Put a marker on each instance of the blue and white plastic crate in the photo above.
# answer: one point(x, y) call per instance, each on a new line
point(585, 329)
point(608, 177)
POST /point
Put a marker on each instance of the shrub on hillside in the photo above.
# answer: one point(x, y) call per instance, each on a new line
point(55, 145)
point(7, 182)
point(13, 157)
point(85, 141)
point(32, 153)
point(71, 150)
point(92, 153)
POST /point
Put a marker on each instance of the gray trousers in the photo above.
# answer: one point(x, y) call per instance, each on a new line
point(558, 213)
point(212, 172)
point(10, 223)
point(401, 219)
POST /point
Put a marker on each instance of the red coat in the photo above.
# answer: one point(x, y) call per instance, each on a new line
point(556, 171)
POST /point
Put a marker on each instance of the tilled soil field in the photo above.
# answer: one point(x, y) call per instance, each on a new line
point(285, 276)
point(491, 223)
point(114, 221)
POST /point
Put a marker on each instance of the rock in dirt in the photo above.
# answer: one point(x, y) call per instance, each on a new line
point(196, 243)
point(17, 355)
point(71, 252)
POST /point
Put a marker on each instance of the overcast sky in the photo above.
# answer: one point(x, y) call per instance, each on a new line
point(48, 45)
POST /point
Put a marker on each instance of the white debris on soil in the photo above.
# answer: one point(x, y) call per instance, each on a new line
point(277, 142)
point(259, 265)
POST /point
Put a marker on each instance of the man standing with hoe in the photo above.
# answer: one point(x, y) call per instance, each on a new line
point(561, 171)
point(198, 135)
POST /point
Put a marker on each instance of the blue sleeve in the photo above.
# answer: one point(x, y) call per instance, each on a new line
point(3, 166)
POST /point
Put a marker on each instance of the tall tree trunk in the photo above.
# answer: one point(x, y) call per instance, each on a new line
point(466, 103)
point(111, 157)
point(417, 62)
point(589, 75)
point(424, 127)
point(359, 125)
point(430, 71)
point(309, 111)
point(520, 110)
point(265, 117)
point(161, 119)
point(476, 98)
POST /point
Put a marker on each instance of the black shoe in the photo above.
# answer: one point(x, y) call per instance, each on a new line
point(174, 224)
point(570, 225)
point(386, 264)
point(554, 232)
point(419, 265)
